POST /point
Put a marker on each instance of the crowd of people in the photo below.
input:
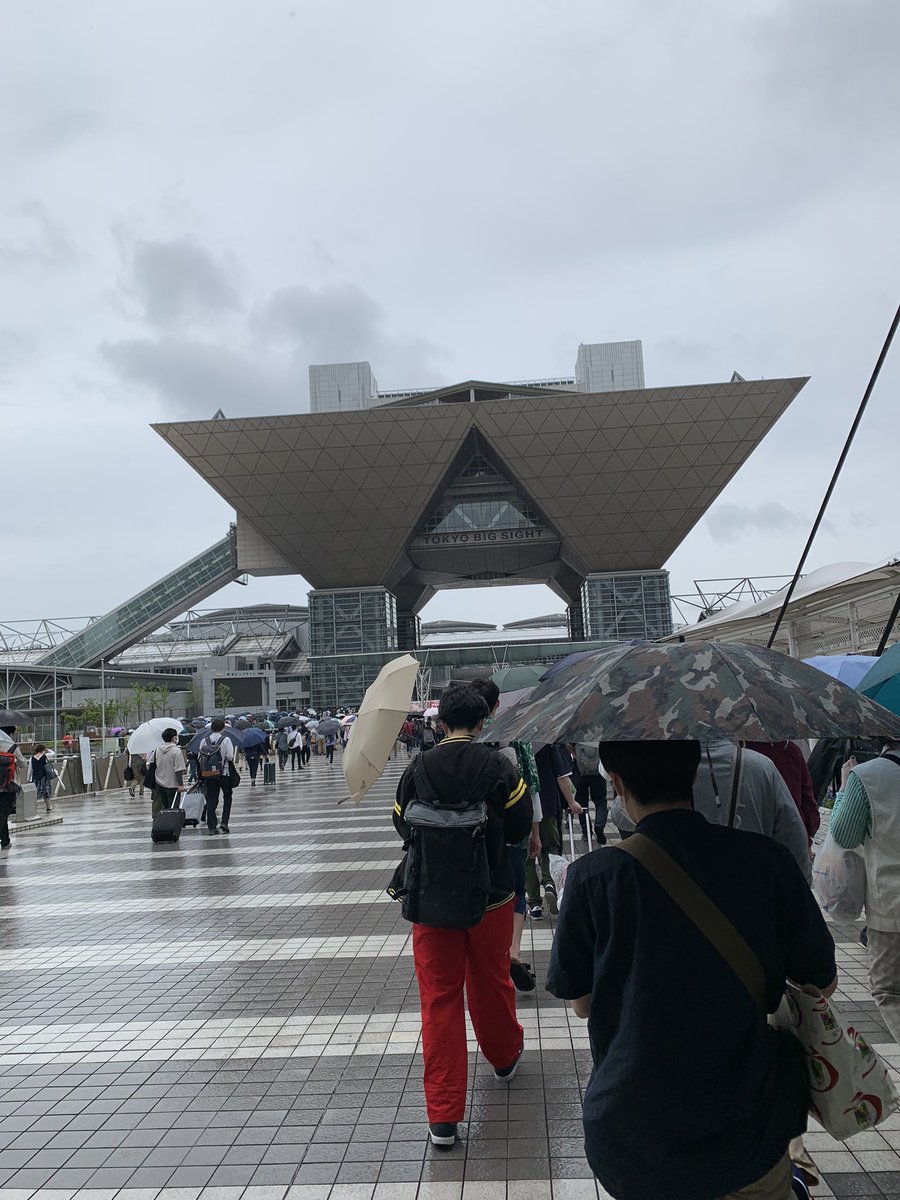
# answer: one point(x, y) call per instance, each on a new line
point(196, 771)
point(693, 1094)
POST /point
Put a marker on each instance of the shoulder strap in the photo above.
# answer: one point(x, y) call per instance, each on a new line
point(697, 907)
point(735, 784)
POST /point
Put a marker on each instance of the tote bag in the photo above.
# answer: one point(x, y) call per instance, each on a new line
point(850, 1089)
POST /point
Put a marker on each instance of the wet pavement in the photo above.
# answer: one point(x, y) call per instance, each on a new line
point(236, 1018)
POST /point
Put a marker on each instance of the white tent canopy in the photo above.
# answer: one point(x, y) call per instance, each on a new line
point(837, 609)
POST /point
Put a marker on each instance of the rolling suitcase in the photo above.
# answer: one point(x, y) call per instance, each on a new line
point(590, 840)
point(268, 772)
point(167, 824)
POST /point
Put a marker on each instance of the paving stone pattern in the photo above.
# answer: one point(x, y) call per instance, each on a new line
point(236, 1018)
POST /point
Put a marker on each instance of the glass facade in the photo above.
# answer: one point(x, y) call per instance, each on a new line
point(149, 609)
point(489, 512)
point(352, 621)
point(619, 607)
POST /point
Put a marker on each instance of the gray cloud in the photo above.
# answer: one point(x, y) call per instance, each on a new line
point(716, 179)
point(177, 280)
point(864, 520)
point(726, 521)
point(342, 322)
point(249, 367)
point(36, 239)
point(15, 350)
point(197, 378)
point(59, 131)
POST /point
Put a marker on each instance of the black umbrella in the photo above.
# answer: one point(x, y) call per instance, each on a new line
point(243, 723)
point(287, 722)
point(12, 716)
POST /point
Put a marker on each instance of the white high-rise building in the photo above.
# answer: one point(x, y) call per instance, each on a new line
point(600, 367)
point(338, 387)
point(610, 367)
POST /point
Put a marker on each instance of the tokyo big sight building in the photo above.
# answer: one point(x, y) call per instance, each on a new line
point(379, 499)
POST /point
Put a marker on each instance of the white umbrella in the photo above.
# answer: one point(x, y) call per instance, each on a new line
point(377, 724)
point(430, 712)
point(349, 719)
point(148, 736)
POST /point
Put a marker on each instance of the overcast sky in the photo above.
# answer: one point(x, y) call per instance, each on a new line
point(200, 197)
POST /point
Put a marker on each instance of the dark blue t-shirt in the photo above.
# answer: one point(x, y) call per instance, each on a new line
point(691, 1095)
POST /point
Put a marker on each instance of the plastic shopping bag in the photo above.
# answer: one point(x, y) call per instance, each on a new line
point(839, 880)
point(558, 868)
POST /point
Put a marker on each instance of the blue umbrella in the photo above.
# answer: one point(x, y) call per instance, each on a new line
point(577, 656)
point(254, 737)
point(237, 736)
point(848, 668)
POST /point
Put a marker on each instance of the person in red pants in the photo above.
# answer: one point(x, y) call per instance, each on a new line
point(472, 961)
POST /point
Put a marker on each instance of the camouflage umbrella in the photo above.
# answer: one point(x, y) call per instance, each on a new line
point(648, 691)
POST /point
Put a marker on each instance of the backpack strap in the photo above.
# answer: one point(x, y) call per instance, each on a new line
point(698, 908)
point(735, 784)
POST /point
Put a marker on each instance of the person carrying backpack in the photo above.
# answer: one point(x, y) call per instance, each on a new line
point(11, 759)
point(459, 805)
point(215, 757)
point(429, 740)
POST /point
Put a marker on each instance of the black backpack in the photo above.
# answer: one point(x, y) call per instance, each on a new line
point(444, 879)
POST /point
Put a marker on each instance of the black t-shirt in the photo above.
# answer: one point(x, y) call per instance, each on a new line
point(691, 1096)
point(452, 767)
point(553, 762)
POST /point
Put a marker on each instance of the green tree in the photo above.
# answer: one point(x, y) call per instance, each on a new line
point(141, 700)
point(224, 698)
point(195, 698)
point(159, 699)
point(124, 710)
point(90, 712)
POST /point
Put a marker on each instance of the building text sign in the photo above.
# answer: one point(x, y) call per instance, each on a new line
point(480, 537)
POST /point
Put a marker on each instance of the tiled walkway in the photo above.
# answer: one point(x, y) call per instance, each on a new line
point(236, 1018)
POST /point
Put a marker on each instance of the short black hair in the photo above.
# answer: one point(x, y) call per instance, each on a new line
point(218, 725)
point(654, 772)
point(169, 735)
point(462, 707)
point(489, 692)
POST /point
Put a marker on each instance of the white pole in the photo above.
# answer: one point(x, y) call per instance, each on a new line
point(55, 716)
point(102, 708)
